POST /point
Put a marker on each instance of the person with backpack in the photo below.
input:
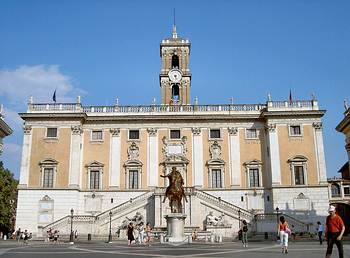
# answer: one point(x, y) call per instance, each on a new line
point(244, 230)
point(283, 231)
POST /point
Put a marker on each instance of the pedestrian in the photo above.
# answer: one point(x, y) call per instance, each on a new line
point(25, 237)
point(18, 234)
point(130, 233)
point(56, 236)
point(319, 232)
point(148, 233)
point(283, 230)
point(334, 232)
point(76, 234)
point(141, 233)
point(244, 230)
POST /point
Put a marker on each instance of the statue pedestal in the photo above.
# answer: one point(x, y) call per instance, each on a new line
point(175, 227)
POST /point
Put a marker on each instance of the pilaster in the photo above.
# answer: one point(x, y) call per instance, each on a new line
point(25, 161)
point(321, 161)
point(115, 155)
point(75, 157)
point(152, 158)
point(197, 157)
point(275, 163)
point(235, 157)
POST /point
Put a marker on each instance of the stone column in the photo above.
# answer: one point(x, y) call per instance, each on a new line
point(321, 161)
point(75, 155)
point(115, 153)
point(235, 157)
point(197, 158)
point(275, 163)
point(25, 162)
point(152, 158)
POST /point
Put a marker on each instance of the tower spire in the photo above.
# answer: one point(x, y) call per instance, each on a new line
point(174, 27)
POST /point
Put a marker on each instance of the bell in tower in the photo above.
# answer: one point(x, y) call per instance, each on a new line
point(175, 76)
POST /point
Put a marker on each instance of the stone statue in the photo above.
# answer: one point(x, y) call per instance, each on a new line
point(175, 191)
point(136, 220)
point(212, 220)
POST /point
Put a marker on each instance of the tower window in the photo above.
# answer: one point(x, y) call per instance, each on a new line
point(175, 134)
point(134, 134)
point(175, 92)
point(175, 61)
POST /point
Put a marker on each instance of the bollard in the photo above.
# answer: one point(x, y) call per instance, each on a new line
point(89, 237)
point(5, 237)
point(190, 239)
point(161, 237)
point(206, 238)
point(266, 235)
point(220, 239)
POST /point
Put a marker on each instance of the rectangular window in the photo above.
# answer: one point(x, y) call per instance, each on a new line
point(299, 175)
point(134, 134)
point(51, 133)
point(133, 179)
point(48, 178)
point(94, 179)
point(346, 190)
point(295, 130)
point(254, 177)
point(215, 134)
point(96, 135)
point(216, 178)
point(175, 134)
point(251, 134)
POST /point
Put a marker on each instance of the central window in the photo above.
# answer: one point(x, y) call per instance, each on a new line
point(175, 134)
point(299, 175)
point(295, 130)
point(251, 134)
point(133, 179)
point(216, 178)
point(134, 134)
point(215, 134)
point(94, 179)
point(96, 135)
point(51, 133)
point(254, 177)
point(48, 178)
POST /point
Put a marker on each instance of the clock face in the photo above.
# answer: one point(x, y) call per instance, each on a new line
point(175, 76)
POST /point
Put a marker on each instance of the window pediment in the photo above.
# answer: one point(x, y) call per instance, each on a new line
point(252, 163)
point(298, 158)
point(95, 164)
point(133, 163)
point(50, 161)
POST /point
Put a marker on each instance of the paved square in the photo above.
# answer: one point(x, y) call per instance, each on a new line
point(120, 249)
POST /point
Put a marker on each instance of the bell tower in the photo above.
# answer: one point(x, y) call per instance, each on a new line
point(175, 76)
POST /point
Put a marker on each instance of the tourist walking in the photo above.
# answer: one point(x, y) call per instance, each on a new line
point(320, 232)
point(334, 232)
point(130, 233)
point(148, 233)
point(283, 230)
point(244, 230)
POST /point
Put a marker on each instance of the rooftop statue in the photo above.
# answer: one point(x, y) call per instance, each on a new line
point(175, 191)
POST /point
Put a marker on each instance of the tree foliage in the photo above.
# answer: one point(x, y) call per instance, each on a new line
point(8, 198)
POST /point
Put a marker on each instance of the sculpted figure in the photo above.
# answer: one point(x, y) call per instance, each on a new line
point(175, 191)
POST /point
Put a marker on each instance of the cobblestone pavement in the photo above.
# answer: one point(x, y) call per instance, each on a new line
point(121, 249)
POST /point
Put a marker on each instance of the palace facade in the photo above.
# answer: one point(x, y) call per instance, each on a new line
point(241, 161)
point(5, 130)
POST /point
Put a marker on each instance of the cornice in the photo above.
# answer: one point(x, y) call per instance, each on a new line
point(345, 123)
point(298, 113)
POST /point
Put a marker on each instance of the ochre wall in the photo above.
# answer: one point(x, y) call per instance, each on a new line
point(43, 148)
point(292, 146)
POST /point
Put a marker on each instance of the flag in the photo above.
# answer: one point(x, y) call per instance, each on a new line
point(54, 96)
point(290, 96)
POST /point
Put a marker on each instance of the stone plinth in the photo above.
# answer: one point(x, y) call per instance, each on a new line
point(175, 227)
point(224, 230)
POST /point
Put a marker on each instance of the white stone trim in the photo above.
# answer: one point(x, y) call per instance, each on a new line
point(215, 139)
point(75, 157)
point(197, 158)
point(254, 138)
point(298, 161)
point(320, 156)
point(139, 175)
point(152, 158)
point(210, 173)
point(53, 138)
point(98, 140)
point(296, 135)
point(26, 153)
point(48, 163)
point(234, 157)
point(115, 156)
point(275, 162)
point(95, 166)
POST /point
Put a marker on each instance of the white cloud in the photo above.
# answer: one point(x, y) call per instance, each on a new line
point(39, 81)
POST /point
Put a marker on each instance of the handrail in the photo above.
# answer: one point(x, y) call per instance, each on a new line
point(223, 203)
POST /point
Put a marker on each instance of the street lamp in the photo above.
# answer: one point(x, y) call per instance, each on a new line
point(277, 209)
point(110, 228)
point(239, 218)
point(71, 226)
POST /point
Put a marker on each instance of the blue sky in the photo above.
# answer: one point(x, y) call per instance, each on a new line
point(107, 49)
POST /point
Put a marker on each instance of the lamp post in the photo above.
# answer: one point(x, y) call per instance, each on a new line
point(239, 218)
point(110, 228)
point(277, 209)
point(71, 227)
